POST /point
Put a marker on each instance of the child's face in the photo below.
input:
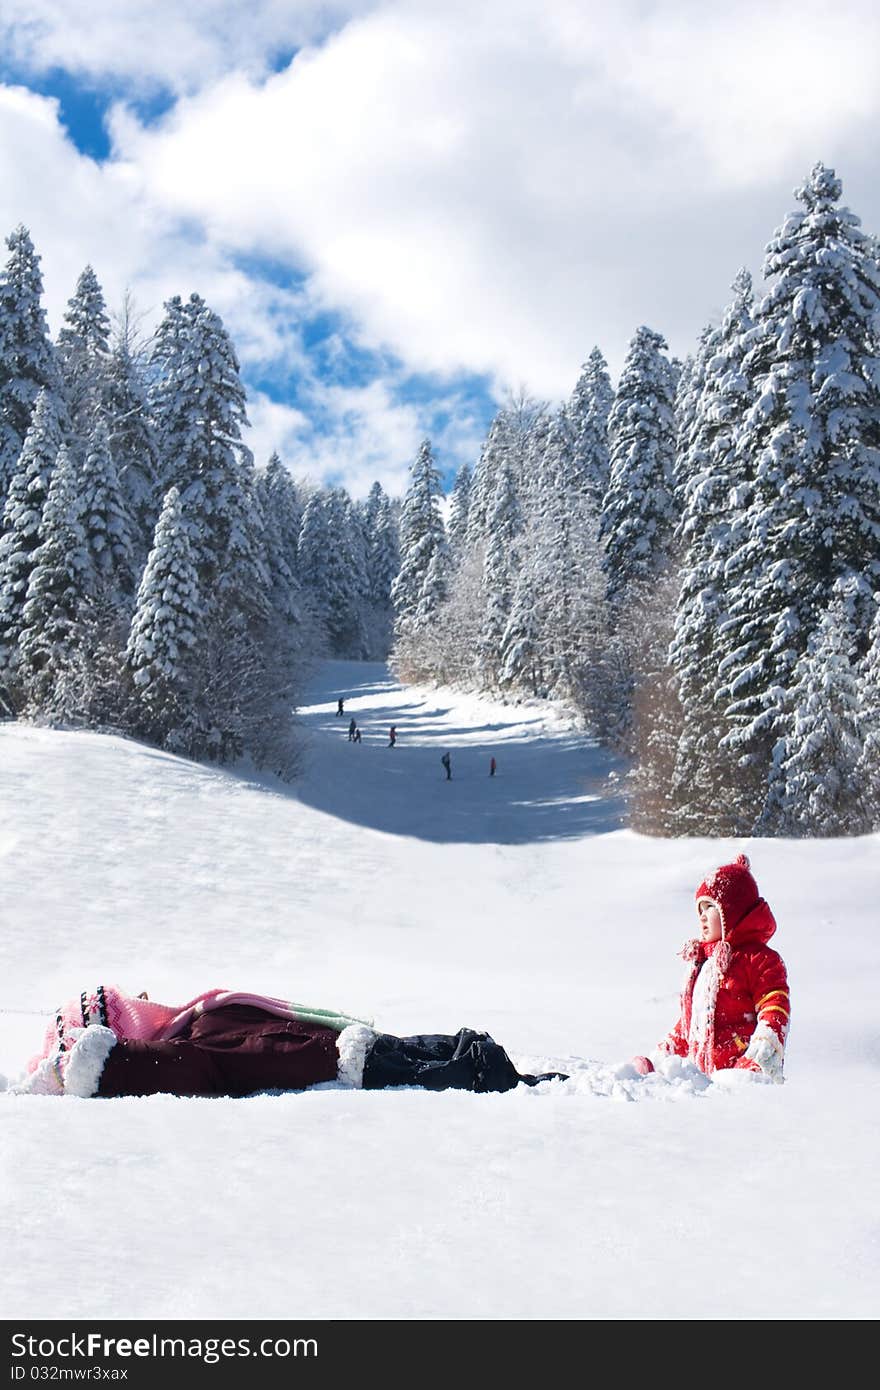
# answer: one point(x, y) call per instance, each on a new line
point(710, 920)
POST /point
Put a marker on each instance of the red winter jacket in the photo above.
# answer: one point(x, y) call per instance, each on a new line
point(737, 1014)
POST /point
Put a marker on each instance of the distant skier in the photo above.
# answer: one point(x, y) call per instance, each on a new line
point(492, 766)
point(447, 763)
point(351, 730)
point(340, 707)
point(357, 736)
point(392, 736)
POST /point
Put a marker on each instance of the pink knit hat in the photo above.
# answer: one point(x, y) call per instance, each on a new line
point(733, 890)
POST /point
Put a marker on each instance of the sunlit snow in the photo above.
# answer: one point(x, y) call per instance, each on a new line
point(517, 903)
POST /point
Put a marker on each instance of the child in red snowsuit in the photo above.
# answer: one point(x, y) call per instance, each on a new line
point(735, 1003)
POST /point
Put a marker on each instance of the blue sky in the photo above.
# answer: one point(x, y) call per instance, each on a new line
point(406, 211)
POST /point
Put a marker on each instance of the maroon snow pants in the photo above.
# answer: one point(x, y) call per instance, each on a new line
point(233, 1051)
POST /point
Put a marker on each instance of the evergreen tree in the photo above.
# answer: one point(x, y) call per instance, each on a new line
point(560, 576)
point(691, 384)
point(637, 516)
point(383, 564)
point(22, 517)
point(280, 509)
point(527, 456)
point(868, 770)
point(200, 406)
point(588, 413)
point(350, 583)
point(812, 439)
point(133, 439)
point(814, 784)
point(313, 550)
point(106, 522)
point(369, 509)
point(459, 504)
point(496, 452)
point(423, 549)
point(26, 353)
point(384, 554)
point(56, 588)
point(168, 623)
point(84, 355)
point(499, 570)
point(708, 788)
point(522, 647)
point(435, 588)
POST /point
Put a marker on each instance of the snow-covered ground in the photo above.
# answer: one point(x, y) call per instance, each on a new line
point(519, 904)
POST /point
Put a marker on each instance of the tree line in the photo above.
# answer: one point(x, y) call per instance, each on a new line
point(152, 579)
point(692, 559)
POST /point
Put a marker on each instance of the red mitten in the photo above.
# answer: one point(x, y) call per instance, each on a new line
point(643, 1065)
point(746, 1064)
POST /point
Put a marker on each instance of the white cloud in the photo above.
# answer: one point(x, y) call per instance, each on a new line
point(367, 435)
point(79, 212)
point(152, 44)
point(498, 187)
point(489, 188)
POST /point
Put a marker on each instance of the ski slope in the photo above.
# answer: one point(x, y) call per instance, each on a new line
point(519, 904)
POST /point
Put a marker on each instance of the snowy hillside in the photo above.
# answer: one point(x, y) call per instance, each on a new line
point(517, 904)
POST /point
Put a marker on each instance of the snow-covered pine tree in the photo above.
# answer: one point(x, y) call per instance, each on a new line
point(526, 646)
point(435, 589)
point(354, 580)
point(813, 786)
point(384, 553)
point(55, 593)
point(282, 517)
point(574, 610)
point(868, 770)
point(199, 402)
point(22, 516)
point(522, 644)
point(652, 734)
point(26, 354)
point(383, 564)
point(812, 441)
point(313, 550)
point(459, 504)
point(691, 384)
point(708, 788)
point(111, 576)
point(504, 524)
point(167, 625)
point(200, 407)
point(497, 450)
point(281, 502)
point(332, 573)
point(133, 438)
point(588, 412)
point(369, 508)
point(83, 355)
point(637, 517)
point(167, 396)
point(527, 456)
point(423, 548)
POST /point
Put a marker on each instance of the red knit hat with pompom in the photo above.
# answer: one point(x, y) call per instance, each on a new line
point(733, 889)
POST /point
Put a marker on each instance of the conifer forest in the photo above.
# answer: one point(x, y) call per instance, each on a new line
point(688, 559)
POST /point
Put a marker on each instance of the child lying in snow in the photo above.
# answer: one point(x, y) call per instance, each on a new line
point(735, 1004)
point(107, 1043)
